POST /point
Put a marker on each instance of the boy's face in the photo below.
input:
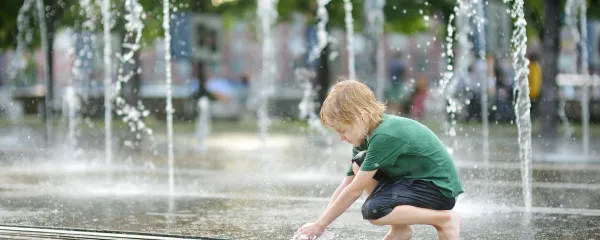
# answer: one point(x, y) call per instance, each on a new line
point(348, 133)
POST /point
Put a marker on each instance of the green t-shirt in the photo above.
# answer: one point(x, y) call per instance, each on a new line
point(405, 149)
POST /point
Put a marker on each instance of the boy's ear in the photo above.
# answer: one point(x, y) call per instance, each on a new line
point(362, 122)
point(364, 117)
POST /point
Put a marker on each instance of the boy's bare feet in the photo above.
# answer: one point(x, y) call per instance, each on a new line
point(450, 230)
point(399, 233)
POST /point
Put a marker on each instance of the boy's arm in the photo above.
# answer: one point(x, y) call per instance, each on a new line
point(347, 196)
point(347, 180)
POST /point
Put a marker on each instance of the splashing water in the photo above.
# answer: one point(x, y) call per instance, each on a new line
point(563, 117)
point(48, 90)
point(308, 108)
point(322, 37)
point(132, 115)
point(268, 14)
point(585, 88)
point(83, 61)
point(451, 78)
point(24, 38)
point(71, 105)
point(480, 21)
point(106, 18)
point(169, 110)
point(19, 63)
point(350, 39)
point(521, 91)
point(326, 235)
point(307, 105)
point(375, 21)
point(570, 22)
point(203, 123)
point(462, 61)
point(571, 7)
point(447, 76)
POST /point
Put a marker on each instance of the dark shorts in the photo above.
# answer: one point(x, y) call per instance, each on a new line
point(389, 194)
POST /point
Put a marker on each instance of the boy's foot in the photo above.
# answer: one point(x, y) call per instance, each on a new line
point(450, 229)
point(403, 234)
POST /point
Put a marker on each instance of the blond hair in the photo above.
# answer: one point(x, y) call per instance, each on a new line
point(351, 102)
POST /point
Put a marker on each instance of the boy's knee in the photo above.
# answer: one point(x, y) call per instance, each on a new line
point(372, 211)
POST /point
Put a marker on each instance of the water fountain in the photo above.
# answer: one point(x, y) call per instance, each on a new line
point(585, 89)
point(350, 39)
point(308, 109)
point(83, 62)
point(24, 38)
point(309, 103)
point(373, 10)
point(449, 82)
point(322, 36)
point(203, 123)
point(521, 90)
point(49, 92)
point(572, 7)
point(131, 114)
point(266, 10)
point(217, 194)
point(167, 28)
point(457, 71)
point(480, 21)
point(106, 23)
point(570, 22)
point(71, 106)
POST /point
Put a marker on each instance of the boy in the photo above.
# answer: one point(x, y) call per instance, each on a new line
point(403, 167)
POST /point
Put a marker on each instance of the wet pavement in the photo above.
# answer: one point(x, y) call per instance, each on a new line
point(254, 192)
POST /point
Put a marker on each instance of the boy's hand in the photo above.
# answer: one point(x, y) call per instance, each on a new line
point(309, 231)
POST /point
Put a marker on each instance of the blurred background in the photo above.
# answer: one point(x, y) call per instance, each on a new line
point(216, 50)
point(196, 124)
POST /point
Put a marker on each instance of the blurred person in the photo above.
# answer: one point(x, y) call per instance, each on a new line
point(397, 95)
point(535, 81)
point(401, 164)
point(503, 94)
point(477, 74)
point(242, 87)
point(491, 77)
point(418, 99)
point(200, 81)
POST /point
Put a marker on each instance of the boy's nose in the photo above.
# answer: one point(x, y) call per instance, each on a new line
point(342, 138)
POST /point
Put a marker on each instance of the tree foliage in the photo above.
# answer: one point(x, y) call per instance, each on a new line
point(406, 16)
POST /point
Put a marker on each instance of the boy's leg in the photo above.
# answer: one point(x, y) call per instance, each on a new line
point(408, 202)
point(399, 232)
point(446, 221)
